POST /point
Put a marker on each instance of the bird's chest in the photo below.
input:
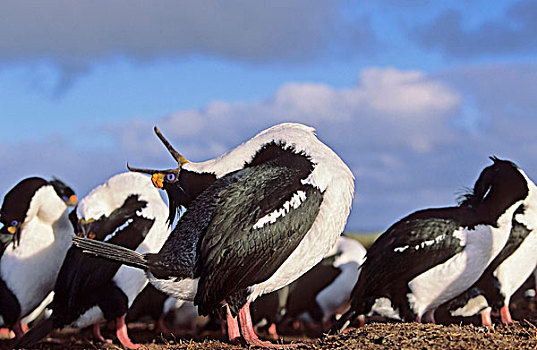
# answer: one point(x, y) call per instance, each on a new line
point(30, 268)
point(445, 281)
point(514, 270)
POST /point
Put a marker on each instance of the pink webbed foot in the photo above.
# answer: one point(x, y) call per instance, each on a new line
point(122, 335)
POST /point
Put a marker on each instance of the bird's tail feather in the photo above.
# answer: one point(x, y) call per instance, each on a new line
point(113, 252)
point(35, 334)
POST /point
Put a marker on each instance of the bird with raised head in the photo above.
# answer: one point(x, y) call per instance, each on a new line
point(256, 219)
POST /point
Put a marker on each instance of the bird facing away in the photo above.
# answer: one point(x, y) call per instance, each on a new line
point(433, 255)
point(505, 274)
point(35, 212)
point(257, 218)
point(128, 211)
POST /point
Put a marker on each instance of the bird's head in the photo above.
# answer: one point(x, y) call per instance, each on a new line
point(65, 192)
point(169, 180)
point(104, 226)
point(498, 187)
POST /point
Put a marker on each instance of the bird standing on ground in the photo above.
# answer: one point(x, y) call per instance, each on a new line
point(35, 212)
point(506, 273)
point(433, 255)
point(257, 218)
point(128, 211)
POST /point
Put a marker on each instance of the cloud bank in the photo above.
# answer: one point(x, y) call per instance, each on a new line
point(77, 33)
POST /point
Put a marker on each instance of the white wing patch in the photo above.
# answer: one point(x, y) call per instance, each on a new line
point(119, 228)
point(298, 198)
point(422, 245)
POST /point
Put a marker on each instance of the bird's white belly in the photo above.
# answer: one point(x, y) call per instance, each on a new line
point(88, 318)
point(184, 289)
point(131, 281)
point(31, 268)
point(445, 281)
point(514, 270)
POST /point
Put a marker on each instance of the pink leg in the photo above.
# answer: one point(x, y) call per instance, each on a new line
point(7, 333)
point(233, 332)
point(98, 336)
point(273, 331)
point(122, 335)
point(486, 320)
point(248, 333)
point(505, 314)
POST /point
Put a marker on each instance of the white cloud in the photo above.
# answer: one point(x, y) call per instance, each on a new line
point(406, 156)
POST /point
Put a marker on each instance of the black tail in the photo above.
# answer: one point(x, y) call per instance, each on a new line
point(35, 334)
point(344, 321)
point(113, 252)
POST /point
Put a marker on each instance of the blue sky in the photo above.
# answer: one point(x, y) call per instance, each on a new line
point(414, 95)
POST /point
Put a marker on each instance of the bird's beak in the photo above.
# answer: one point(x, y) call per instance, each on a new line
point(12, 229)
point(157, 176)
point(158, 180)
point(72, 201)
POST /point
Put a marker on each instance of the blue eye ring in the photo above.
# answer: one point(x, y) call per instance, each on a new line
point(14, 223)
point(170, 177)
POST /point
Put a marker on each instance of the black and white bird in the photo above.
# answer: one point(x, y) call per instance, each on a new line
point(433, 255)
point(324, 291)
point(128, 211)
point(256, 219)
point(506, 273)
point(35, 212)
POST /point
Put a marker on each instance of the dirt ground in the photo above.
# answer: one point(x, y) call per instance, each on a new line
point(522, 334)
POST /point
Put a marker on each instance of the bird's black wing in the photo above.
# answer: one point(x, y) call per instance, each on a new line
point(82, 277)
point(238, 249)
point(408, 248)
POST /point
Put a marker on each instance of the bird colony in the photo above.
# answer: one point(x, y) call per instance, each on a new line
point(252, 242)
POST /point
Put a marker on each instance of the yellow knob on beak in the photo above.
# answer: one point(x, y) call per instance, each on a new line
point(73, 200)
point(158, 180)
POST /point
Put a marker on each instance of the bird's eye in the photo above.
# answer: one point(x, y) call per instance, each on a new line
point(170, 177)
point(14, 223)
point(65, 198)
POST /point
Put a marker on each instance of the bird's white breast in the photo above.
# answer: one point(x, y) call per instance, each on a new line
point(449, 279)
point(30, 269)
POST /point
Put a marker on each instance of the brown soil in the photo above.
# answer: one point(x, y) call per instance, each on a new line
point(522, 334)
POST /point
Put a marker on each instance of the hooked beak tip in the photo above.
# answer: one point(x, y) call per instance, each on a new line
point(73, 200)
point(158, 180)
